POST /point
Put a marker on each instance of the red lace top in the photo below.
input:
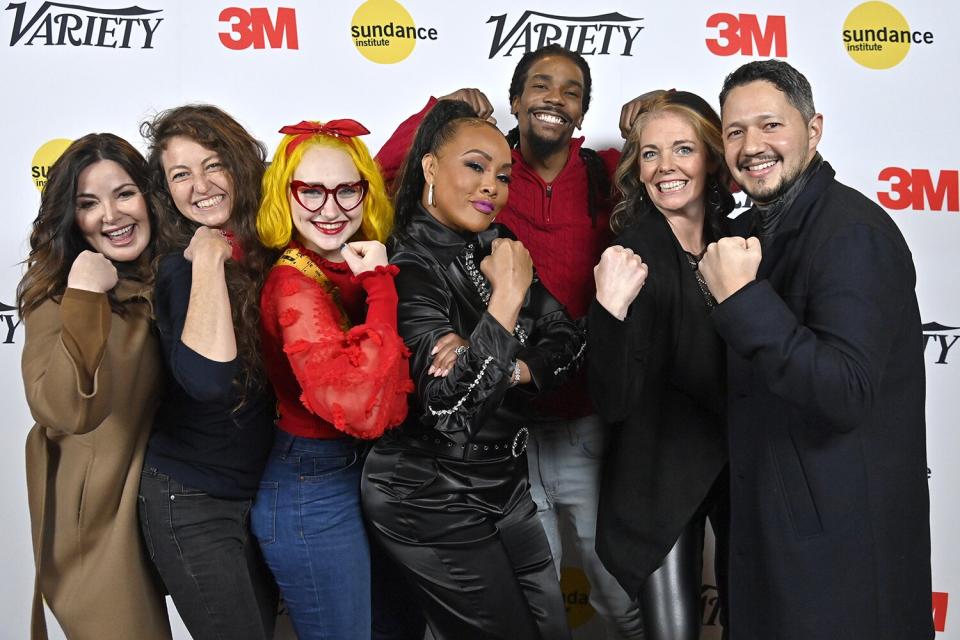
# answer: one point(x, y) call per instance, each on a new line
point(329, 381)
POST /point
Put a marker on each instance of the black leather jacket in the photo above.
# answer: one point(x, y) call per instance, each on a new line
point(439, 286)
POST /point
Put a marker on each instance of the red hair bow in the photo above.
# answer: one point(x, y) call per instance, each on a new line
point(343, 128)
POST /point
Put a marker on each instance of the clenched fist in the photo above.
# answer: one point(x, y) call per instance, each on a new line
point(92, 271)
point(364, 255)
point(508, 268)
point(619, 275)
point(729, 265)
point(208, 243)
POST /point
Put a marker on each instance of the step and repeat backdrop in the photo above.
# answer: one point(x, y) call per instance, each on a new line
point(883, 74)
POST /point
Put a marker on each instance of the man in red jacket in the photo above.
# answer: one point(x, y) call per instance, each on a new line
point(559, 208)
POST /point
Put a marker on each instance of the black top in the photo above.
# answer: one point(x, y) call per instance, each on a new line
point(659, 375)
point(200, 437)
point(441, 290)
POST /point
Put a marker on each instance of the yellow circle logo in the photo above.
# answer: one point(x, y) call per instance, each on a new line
point(576, 596)
point(383, 31)
point(877, 36)
point(45, 156)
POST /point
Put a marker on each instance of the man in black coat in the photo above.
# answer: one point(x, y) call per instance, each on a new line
point(830, 534)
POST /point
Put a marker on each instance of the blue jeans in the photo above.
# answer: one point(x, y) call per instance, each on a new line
point(307, 519)
point(207, 559)
point(565, 459)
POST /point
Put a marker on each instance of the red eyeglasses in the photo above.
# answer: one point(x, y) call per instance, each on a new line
point(312, 197)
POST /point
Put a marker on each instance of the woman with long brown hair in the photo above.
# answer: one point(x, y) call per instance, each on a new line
point(92, 375)
point(215, 426)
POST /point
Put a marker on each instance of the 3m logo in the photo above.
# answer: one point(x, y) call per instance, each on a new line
point(740, 33)
point(940, 610)
point(254, 28)
point(915, 189)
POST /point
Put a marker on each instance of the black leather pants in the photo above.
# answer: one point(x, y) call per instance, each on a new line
point(670, 597)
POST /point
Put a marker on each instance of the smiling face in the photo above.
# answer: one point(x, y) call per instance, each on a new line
point(111, 212)
point(766, 141)
point(673, 165)
point(326, 229)
point(550, 106)
point(201, 187)
point(471, 177)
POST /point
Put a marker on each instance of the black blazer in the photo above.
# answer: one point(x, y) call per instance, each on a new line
point(829, 533)
point(658, 376)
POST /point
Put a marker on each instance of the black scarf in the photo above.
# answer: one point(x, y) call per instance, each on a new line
point(768, 216)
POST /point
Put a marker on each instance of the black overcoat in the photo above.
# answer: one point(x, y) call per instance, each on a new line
point(657, 378)
point(829, 534)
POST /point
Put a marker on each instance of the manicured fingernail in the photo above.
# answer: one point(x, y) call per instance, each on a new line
point(433, 351)
point(343, 246)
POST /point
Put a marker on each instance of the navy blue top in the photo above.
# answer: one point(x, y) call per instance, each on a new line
point(200, 437)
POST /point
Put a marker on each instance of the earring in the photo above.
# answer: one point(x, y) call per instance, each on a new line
point(714, 196)
point(431, 200)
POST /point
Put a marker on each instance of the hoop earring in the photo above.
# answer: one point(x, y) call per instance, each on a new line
point(431, 200)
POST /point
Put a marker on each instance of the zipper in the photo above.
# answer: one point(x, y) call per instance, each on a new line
point(549, 201)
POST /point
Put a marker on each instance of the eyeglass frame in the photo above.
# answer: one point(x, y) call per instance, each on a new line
point(362, 183)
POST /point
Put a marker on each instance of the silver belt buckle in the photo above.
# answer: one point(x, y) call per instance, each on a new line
point(519, 442)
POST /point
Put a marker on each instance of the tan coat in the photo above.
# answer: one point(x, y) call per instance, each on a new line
point(92, 380)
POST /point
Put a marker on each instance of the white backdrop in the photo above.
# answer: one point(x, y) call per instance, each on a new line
point(67, 70)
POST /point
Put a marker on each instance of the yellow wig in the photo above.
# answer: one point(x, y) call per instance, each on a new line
point(274, 221)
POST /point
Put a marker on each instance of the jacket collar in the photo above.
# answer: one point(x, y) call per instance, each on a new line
point(573, 158)
point(444, 243)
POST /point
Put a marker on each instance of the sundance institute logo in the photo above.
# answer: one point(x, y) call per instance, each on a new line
point(44, 158)
point(383, 31)
point(877, 36)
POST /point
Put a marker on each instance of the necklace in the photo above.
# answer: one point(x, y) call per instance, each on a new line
point(694, 262)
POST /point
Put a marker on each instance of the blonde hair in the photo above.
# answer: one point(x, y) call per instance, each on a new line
point(274, 219)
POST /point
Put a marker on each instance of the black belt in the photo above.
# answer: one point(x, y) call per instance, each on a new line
point(488, 450)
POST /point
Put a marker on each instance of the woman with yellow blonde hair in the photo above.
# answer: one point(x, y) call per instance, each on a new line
point(339, 369)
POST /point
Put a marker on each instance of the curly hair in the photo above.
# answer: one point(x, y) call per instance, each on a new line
point(244, 159)
point(274, 219)
point(438, 127)
point(706, 123)
point(56, 241)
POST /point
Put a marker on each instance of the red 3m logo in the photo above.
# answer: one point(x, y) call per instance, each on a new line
point(740, 33)
point(254, 28)
point(940, 610)
point(915, 189)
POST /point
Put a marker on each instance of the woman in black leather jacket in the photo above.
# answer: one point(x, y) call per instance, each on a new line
point(447, 494)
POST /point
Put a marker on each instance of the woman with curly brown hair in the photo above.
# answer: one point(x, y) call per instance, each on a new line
point(656, 365)
point(214, 429)
point(92, 374)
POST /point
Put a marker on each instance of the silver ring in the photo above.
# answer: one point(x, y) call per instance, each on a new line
point(462, 349)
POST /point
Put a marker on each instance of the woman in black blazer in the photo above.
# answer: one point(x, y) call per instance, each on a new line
point(657, 366)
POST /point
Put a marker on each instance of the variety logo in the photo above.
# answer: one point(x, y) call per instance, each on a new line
point(877, 36)
point(11, 320)
point(743, 34)
point(940, 600)
point(916, 189)
point(600, 35)
point(60, 24)
point(383, 31)
point(255, 28)
point(938, 340)
point(44, 158)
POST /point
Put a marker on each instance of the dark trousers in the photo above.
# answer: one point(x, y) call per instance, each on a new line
point(501, 583)
point(207, 559)
point(670, 597)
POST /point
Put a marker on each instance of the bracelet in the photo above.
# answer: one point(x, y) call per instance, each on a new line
point(516, 373)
